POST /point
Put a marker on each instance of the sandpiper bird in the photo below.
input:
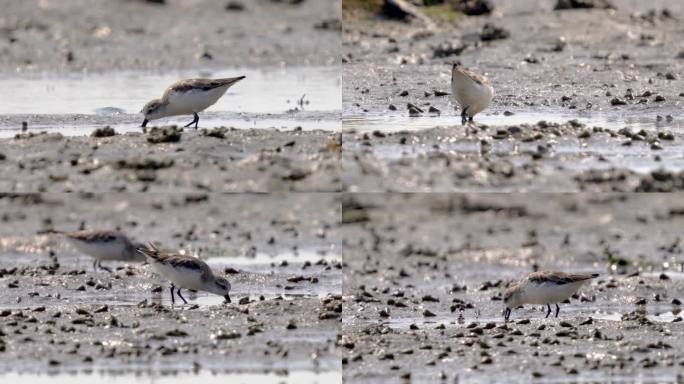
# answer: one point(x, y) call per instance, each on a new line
point(185, 272)
point(103, 245)
point(545, 287)
point(473, 92)
point(187, 97)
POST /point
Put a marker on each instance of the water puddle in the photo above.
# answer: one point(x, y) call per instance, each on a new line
point(638, 157)
point(656, 314)
point(273, 90)
point(307, 98)
point(310, 255)
point(305, 377)
point(396, 123)
point(585, 377)
point(261, 277)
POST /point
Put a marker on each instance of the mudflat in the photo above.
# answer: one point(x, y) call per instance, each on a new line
point(608, 69)
point(425, 273)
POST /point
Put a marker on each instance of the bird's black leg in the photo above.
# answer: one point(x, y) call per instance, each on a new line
point(173, 299)
point(549, 312)
point(195, 119)
point(179, 295)
point(557, 310)
point(95, 265)
point(464, 115)
point(507, 314)
point(98, 265)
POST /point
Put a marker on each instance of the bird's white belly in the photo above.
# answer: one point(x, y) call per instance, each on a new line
point(549, 293)
point(181, 277)
point(114, 250)
point(185, 103)
point(472, 95)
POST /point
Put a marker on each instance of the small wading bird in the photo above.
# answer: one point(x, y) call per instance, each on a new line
point(471, 91)
point(544, 288)
point(187, 97)
point(103, 245)
point(185, 272)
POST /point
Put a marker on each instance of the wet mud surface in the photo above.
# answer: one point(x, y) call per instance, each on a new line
point(424, 275)
point(546, 157)
point(217, 159)
point(616, 64)
point(283, 261)
point(77, 35)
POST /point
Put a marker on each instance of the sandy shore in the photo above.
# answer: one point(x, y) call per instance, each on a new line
point(619, 65)
point(61, 316)
point(424, 276)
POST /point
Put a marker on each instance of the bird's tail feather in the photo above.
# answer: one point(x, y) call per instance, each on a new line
point(150, 250)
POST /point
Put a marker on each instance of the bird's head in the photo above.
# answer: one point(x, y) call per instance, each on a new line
point(153, 110)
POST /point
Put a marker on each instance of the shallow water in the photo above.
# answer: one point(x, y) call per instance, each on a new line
point(609, 120)
point(281, 98)
point(274, 90)
point(657, 314)
point(638, 157)
point(263, 276)
point(175, 378)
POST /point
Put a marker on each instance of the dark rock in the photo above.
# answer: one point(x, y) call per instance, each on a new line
point(448, 49)
point(217, 132)
point(577, 4)
point(104, 132)
point(235, 6)
point(476, 7)
point(166, 134)
point(491, 32)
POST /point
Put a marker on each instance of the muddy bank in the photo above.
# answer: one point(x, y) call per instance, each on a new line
point(76, 35)
point(547, 157)
point(212, 160)
point(603, 53)
point(617, 64)
point(60, 316)
point(424, 275)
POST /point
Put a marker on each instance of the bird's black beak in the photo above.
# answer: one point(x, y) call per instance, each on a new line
point(227, 297)
point(144, 123)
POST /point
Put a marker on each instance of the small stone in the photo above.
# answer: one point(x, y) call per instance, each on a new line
point(104, 132)
point(413, 110)
point(235, 6)
point(617, 101)
point(176, 333)
point(492, 32)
